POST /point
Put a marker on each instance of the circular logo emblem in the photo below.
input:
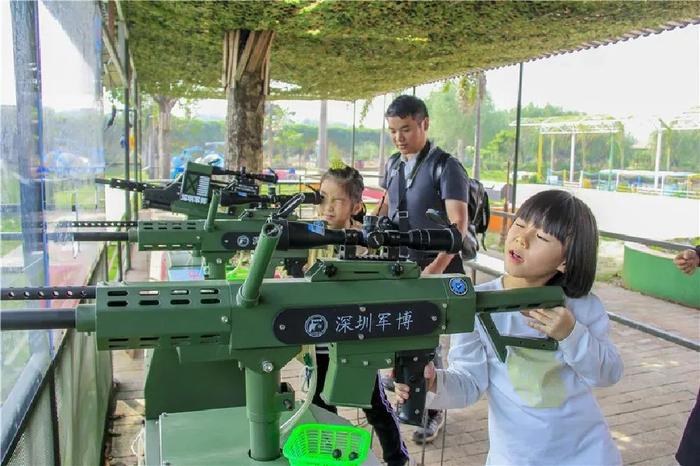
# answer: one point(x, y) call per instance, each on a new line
point(458, 286)
point(316, 325)
point(243, 241)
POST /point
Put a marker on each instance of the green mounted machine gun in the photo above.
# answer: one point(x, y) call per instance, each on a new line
point(375, 312)
point(191, 193)
point(214, 239)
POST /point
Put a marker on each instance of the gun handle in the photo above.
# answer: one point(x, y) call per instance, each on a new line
point(501, 342)
point(408, 368)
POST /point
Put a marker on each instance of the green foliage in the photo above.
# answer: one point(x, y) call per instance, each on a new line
point(449, 124)
point(349, 50)
point(680, 150)
point(499, 150)
point(189, 132)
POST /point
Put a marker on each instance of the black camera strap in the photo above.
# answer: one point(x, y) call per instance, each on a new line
point(402, 210)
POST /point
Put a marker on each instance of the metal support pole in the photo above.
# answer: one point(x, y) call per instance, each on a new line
point(540, 159)
point(610, 159)
point(382, 159)
point(137, 138)
point(517, 136)
point(352, 154)
point(119, 261)
point(105, 258)
point(127, 109)
point(551, 156)
point(572, 157)
point(29, 139)
point(657, 161)
point(263, 417)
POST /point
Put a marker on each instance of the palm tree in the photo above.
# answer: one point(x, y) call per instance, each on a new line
point(470, 94)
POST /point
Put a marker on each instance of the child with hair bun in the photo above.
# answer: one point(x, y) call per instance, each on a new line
point(341, 207)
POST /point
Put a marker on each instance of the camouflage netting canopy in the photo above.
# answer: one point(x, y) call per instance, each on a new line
point(349, 49)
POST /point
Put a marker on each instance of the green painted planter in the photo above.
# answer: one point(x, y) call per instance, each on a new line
point(654, 273)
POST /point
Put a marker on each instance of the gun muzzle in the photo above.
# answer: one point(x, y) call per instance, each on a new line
point(37, 319)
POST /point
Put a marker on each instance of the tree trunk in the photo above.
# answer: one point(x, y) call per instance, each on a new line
point(245, 118)
point(323, 136)
point(460, 151)
point(165, 106)
point(246, 77)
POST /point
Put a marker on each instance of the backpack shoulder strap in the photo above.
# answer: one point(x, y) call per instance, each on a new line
point(439, 167)
point(393, 160)
point(391, 165)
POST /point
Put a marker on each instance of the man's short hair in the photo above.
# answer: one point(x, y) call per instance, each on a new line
point(407, 105)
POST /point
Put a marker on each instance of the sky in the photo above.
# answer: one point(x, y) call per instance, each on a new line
point(59, 58)
point(639, 80)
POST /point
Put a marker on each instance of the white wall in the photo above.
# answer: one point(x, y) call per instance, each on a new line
point(644, 215)
point(114, 204)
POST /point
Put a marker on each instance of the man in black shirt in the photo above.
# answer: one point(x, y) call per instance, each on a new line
point(411, 188)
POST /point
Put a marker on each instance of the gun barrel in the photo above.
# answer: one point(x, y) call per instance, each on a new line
point(98, 236)
point(249, 292)
point(72, 235)
point(309, 198)
point(126, 185)
point(97, 224)
point(264, 177)
point(37, 319)
point(301, 235)
point(49, 292)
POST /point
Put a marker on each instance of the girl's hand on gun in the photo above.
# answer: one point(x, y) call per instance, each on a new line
point(402, 390)
point(557, 322)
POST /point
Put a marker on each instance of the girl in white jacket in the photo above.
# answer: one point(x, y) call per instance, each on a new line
point(541, 406)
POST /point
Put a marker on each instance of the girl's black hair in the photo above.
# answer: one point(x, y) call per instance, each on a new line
point(571, 221)
point(352, 182)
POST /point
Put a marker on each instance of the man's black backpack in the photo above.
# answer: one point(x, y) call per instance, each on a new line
point(478, 205)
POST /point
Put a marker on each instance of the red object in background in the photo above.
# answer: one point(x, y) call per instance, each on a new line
point(372, 194)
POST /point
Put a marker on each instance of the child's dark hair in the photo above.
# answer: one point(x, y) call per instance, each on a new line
point(407, 105)
point(352, 182)
point(571, 221)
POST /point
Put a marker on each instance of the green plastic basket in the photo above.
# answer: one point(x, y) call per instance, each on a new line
point(326, 445)
point(239, 273)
